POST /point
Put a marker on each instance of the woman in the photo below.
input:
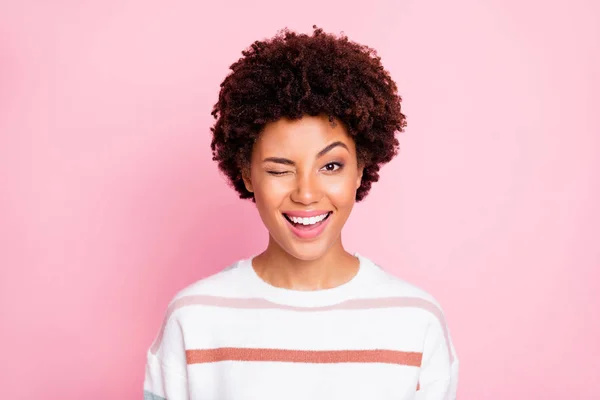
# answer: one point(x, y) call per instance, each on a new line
point(303, 125)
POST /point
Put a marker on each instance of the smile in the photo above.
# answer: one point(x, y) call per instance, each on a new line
point(308, 227)
point(307, 221)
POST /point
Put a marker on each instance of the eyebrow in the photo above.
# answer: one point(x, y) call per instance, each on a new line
point(327, 149)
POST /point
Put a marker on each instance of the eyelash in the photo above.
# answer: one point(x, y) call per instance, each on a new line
point(337, 164)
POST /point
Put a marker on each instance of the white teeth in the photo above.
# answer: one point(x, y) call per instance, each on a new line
point(308, 221)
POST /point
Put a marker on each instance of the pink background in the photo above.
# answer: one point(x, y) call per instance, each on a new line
point(110, 203)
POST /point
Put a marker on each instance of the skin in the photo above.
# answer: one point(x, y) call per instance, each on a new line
point(306, 164)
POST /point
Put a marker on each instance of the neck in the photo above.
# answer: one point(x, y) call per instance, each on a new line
point(281, 269)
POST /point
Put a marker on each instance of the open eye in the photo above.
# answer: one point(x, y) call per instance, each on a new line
point(332, 167)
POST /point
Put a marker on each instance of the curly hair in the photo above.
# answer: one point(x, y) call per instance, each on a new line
point(291, 75)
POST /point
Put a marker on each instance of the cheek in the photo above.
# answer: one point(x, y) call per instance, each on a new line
point(342, 192)
point(269, 193)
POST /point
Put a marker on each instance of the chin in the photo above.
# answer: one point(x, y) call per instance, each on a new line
point(307, 251)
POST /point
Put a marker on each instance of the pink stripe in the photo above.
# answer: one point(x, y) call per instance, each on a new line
point(202, 356)
point(354, 304)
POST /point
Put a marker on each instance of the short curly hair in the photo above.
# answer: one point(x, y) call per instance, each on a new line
point(291, 75)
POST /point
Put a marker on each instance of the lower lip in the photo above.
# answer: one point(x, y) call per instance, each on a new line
point(311, 232)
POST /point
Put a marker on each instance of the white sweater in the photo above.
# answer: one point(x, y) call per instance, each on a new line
point(234, 336)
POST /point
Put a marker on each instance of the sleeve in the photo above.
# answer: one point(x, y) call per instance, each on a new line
point(438, 378)
point(166, 366)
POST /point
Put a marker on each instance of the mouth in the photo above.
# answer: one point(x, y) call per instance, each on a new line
point(308, 228)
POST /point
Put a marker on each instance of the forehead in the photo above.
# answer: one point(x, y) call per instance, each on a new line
point(308, 135)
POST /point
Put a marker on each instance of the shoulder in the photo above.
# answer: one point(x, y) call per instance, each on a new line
point(213, 290)
point(229, 282)
point(391, 291)
point(394, 290)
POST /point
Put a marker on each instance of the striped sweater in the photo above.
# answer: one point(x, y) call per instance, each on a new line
point(234, 336)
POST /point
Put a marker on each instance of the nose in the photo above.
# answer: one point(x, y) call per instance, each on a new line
point(307, 190)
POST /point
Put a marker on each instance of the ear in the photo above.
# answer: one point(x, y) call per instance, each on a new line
point(361, 169)
point(247, 180)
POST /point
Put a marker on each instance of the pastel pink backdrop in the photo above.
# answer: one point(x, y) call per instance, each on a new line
point(110, 203)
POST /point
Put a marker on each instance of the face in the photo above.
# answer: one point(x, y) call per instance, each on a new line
point(304, 175)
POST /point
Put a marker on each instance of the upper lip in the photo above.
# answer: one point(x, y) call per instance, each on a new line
point(305, 214)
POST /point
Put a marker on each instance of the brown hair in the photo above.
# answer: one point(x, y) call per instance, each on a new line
point(292, 75)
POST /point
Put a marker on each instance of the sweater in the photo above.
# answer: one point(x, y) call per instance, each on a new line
point(234, 336)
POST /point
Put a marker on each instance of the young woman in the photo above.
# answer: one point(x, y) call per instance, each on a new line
point(303, 125)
